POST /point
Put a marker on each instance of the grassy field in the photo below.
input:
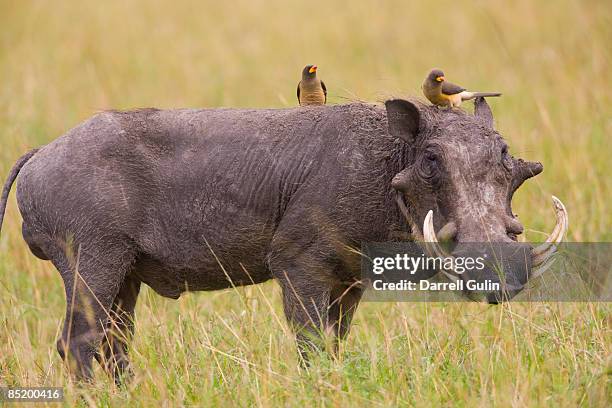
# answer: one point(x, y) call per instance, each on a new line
point(62, 61)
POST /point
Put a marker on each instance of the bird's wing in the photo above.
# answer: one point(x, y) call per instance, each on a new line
point(324, 90)
point(451, 89)
point(298, 92)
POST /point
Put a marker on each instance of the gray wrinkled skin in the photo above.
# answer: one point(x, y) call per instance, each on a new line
point(461, 169)
point(193, 199)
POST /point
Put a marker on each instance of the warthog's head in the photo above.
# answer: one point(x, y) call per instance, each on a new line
point(460, 183)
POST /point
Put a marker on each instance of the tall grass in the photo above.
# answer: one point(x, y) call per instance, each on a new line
point(62, 61)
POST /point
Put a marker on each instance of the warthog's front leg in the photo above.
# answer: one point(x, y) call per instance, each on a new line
point(306, 306)
point(307, 264)
point(343, 304)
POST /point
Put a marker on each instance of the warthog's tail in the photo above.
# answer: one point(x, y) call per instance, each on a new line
point(11, 179)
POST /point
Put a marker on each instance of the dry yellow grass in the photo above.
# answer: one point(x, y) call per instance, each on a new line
point(62, 61)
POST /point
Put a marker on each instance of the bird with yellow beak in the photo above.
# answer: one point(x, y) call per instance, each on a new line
point(311, 90)
point(443, 93)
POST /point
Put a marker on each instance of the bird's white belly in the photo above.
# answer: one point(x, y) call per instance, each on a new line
point(455, 100)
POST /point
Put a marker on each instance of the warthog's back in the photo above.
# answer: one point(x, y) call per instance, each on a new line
point(178, 184)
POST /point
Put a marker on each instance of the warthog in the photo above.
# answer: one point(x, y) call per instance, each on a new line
point(208, 199)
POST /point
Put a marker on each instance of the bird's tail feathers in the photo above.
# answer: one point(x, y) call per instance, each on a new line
point(466, 95)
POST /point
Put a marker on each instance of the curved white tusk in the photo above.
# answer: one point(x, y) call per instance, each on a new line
point(432, 246)
point(543, 255)
point(556, 235)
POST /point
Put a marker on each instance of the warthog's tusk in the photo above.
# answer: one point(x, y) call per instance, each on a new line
point(542, 256)
point(432, 245)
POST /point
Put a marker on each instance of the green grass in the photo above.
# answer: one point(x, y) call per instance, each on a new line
point(62, 61)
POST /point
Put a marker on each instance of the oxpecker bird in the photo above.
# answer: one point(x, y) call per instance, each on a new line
point(311, 90)
point(443, 93)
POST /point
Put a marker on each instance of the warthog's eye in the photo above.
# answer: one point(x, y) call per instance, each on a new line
point(431, 157)
point(506, 158)
point(429, 165)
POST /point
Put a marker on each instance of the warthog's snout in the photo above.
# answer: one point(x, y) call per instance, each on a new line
point(499, 271)
point(506, 267)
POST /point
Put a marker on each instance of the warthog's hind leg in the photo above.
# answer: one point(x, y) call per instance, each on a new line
point(92, 278)
point(119, 331)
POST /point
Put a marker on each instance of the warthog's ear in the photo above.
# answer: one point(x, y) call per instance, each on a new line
point(403, 117)
point(483, 111)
